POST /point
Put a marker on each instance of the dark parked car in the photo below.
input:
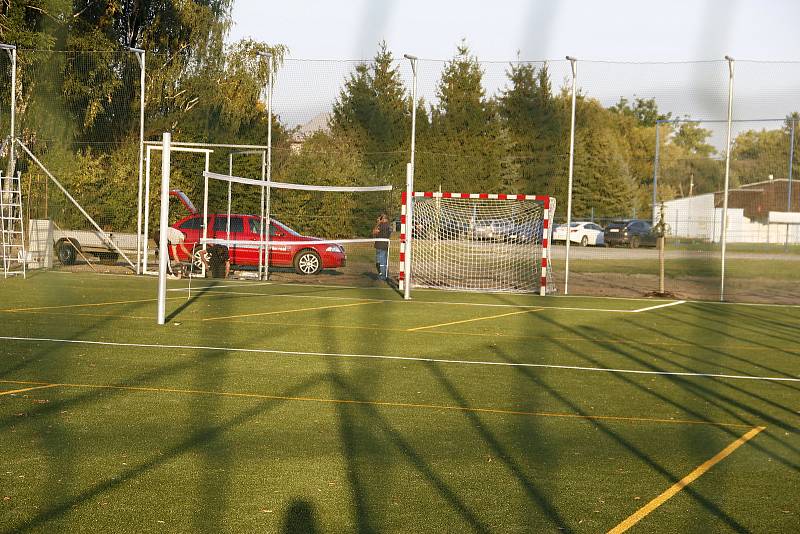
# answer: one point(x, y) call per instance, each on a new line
point(427, 227)
point(629, 232)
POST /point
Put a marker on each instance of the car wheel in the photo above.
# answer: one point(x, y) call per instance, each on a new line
point(67, 253)
point(585, 241)
point(307, 262)
point(197, 258)
point(635, 242)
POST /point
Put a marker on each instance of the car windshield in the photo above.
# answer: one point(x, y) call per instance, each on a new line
point(286, 229)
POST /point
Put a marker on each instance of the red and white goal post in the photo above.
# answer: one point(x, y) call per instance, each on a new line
point(476, 242)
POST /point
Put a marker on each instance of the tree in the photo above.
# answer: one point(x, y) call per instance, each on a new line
point(532, 114)
point(465, 149)
point(644, 110)
point(694, 139)
point(374, 111)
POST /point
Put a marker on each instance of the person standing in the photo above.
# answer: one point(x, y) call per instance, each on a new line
point(382, 230)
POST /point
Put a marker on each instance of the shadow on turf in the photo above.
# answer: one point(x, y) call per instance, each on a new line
point(299, 518)
point(535, 494)
point(191, 298)
point(206, 520)
point(573, 407)
point(695, 386)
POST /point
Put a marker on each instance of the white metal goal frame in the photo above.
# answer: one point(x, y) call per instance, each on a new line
point(144, 237)
point(191, 147)
point(407, 223)
point(266, 185)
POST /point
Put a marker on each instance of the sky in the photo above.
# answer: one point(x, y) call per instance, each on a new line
point(695, 33)
point(642, 30)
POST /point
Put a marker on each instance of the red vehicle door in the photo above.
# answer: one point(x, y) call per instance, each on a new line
point(192, 228)
point(279, 255)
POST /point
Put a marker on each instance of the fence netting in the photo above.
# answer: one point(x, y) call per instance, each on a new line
point(650, 139)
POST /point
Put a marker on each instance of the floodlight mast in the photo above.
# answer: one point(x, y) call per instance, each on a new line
point(140, 56)
point(12, 54)
point(574, 64)
point(724, 230)
point(406, 247)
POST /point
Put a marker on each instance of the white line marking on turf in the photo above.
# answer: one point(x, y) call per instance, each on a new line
point(667, 305)
point(401, 358)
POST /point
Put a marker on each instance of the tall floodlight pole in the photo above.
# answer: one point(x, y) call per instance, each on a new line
point(265, 192)
point(11, 50)
point(163, 244)
point(724, 229)
point(574, 64)
point(139, 238)
point(406, 247)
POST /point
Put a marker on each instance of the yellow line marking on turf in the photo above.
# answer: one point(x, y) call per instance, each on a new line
point(37, 308)
point(278, 312)
point(474, 319)
point(685, 481)
point(446, 407)
point(28, 389)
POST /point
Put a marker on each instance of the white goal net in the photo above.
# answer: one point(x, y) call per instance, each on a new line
point(477, 242)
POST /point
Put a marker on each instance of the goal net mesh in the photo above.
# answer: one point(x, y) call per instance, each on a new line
point(480, 244)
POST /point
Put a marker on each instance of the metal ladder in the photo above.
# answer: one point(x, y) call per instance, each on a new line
point(12, 227)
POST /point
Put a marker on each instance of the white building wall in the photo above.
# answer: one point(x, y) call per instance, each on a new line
point(696, 218)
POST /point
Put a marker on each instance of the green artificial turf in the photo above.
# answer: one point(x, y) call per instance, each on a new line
point(272, 408)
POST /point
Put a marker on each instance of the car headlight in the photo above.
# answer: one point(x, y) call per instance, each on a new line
point(335, 248)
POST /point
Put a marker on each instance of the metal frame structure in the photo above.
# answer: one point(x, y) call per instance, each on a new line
point(102, 233)
point(12, 226)
point(150, 147)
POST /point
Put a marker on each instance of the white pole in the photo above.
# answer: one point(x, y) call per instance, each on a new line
point(12, 153)
point(263, 207)
point(724, 229)
point(574, 64)
point(410, 182)
point(145, 247)
point(163, 257)
point(230, 189)
point(205, 215)
point(265, 214)
point(139, 238)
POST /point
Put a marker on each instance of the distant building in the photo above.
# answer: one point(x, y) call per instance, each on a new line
point(317, 124)
point(749, 209)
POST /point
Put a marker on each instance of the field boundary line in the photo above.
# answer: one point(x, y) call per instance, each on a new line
point(763, 304)
point(673, 490)
point(400, 358)
point(474, 319)
point(391, 404)
point(45, 386)
point(279, 312)
point(667, 305)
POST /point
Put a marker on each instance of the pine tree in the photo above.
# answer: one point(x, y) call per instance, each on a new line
point(465, 147)
point(374, 111)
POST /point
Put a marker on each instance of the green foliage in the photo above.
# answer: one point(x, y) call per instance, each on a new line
point(328, 160)
point(465, 148)
point(644, 110)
